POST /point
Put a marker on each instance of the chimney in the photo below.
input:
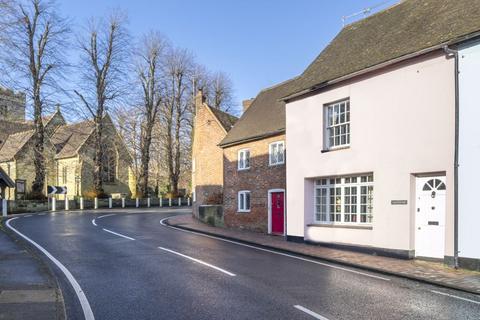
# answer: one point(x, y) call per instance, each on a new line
point(246, 104)
point(199, 99)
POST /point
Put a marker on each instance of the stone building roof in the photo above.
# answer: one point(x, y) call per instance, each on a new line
point(408, 27)
point(67, 139)
point(13, 144)
point(226, 120)
point(265, 117)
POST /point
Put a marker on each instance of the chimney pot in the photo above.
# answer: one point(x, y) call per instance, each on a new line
point(246, 104)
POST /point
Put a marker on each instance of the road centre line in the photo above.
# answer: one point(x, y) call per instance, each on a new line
point(162, 222)
point(310, 312)
point(117, 234)
point(455, 297)
point(199, 261)
point(87, 310)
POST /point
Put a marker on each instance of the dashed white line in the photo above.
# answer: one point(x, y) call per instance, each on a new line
point(94, 221)
point(162, 222)
point(117, 234)
point(456, 297)
point(310, 312)
point(199, 261)
point(87, 310)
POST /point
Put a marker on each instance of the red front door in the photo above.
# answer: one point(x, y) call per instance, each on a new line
point(278, 211)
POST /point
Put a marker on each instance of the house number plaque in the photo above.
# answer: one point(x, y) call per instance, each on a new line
point(399, 202)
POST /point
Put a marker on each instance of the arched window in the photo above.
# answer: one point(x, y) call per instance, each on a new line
point(109, 165)
point(434, 184)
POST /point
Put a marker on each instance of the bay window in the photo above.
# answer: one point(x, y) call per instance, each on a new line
point(346, 199)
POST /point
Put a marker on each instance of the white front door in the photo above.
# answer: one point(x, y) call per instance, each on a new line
point(430, 217)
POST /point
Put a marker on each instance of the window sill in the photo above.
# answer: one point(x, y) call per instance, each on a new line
point(243, 211)
point(276, 164)
point(341, 226)
point(243, 169)
point(335, 149)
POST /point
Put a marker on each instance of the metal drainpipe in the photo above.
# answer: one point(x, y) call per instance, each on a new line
point(454, 53)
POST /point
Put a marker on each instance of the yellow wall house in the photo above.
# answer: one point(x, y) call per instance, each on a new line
point(69, 152)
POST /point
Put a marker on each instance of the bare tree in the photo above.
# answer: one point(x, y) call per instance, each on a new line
point(220, 91)
point(33, 43)
point(176, 110)
point(104, 65)
point(148, 69)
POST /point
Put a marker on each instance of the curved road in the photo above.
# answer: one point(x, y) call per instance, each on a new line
point(127, 265)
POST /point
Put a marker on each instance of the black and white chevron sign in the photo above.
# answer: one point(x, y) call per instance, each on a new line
point(51, 190)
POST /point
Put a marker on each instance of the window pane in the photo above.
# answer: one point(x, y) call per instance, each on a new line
point(241, 202)
point(247, 201)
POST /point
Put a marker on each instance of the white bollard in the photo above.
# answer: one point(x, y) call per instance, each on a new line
point(123, 202)
point(110, 203)
point(161, 201)
point(188, 202)
point(137, 203)
point(169, 202)
point(95, 203)
point(67, 204)
point(54, 204)
point(148, 202)
point(81, 203)
point(4, 207)
point(179, 201)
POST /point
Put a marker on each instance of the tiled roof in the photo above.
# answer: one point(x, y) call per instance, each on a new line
point(69, 138)
point(13, 144)
point(226, 120)
point(265, 116)
point(409, 27)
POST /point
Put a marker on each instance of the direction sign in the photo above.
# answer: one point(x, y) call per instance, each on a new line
point(51, 190)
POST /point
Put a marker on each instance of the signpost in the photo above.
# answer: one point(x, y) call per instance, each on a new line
point(52, 190)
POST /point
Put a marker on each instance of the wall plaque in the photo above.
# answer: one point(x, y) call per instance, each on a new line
point(399, 202)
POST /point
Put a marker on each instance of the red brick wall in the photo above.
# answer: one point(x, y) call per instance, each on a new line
point(260, 178)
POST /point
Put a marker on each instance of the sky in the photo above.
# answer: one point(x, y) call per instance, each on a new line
point(258, 43)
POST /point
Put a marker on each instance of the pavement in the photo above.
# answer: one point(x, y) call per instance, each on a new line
point(427, 271)
point(128, 264)
point(28, 289)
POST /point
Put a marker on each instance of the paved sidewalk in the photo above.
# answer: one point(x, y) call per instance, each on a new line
point(430, 272)
point(28, 290)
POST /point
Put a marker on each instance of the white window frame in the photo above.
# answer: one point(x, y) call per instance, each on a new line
point(242, 159)
point(337, 126)
point(270, 153)
point(242, 204)
point(363, 182)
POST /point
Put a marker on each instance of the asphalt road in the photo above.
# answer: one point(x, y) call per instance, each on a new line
point(127, 265)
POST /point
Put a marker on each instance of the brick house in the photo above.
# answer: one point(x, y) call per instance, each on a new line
point(210, 127)
point(254, 165)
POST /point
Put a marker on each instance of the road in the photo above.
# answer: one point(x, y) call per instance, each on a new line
point(116, 264)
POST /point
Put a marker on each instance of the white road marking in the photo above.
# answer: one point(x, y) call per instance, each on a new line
point(117, 234)
point(456, 297)
point(199, 261)
point(310, 312)
point(94, 222)
point(87, 310)
point(275, 252)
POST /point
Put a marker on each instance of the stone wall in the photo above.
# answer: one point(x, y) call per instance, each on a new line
point(260, 178)
point(12, 105)
point(207, 158)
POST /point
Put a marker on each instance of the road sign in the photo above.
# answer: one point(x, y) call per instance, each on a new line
point(51, 190)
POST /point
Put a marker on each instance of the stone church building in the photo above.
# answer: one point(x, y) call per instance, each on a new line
point(69, 152)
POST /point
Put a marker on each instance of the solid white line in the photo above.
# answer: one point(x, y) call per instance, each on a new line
point(199, 261)
point(106, 215)
point(94, 222)
point(117, 234)
point(456, 297)
point(87, 310)
point(275, 252)
point(310, 312)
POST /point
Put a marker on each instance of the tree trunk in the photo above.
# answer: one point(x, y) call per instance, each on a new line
point(145, 160)
point(38, 185)
point(97, 170)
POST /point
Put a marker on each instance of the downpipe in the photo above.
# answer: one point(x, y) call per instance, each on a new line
point(454, 54)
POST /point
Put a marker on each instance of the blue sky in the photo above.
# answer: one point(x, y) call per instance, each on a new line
point(258, 43)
